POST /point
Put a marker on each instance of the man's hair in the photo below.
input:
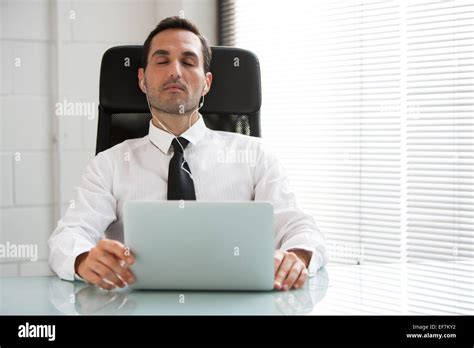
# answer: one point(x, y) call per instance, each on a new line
point(176, 22)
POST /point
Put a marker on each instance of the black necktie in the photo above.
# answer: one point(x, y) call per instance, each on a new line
point(180, 183)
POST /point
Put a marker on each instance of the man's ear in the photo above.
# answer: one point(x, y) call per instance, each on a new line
point(208, 83)
point(141, 80)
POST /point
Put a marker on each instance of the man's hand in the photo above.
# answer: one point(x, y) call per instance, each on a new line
point(106, 265)
point(290, 269)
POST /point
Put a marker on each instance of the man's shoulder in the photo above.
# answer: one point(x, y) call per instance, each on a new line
point(125, 146)
point(231, 138)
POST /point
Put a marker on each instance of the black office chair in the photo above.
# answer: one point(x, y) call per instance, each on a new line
point(233, 103)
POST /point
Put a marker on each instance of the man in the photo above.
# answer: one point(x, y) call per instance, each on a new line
point(175, 76)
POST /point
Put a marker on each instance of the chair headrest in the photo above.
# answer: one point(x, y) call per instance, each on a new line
point(235, 87)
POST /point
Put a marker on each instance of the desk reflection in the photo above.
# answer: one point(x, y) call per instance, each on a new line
point(427, 288)
point(79, 298)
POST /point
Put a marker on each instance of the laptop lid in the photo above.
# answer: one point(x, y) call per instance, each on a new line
point(190, 245)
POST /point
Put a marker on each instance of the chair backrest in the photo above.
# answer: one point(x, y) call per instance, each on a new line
point(233, 103)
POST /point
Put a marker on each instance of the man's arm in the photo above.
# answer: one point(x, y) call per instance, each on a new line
point(301, 245)
point(83, 225)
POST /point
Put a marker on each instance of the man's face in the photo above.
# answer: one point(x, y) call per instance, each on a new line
point(174, 76)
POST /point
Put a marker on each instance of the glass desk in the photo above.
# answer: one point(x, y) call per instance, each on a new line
point(431, 288)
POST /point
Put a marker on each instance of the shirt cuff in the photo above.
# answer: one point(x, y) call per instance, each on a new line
point(79, 249)
point(78, 277)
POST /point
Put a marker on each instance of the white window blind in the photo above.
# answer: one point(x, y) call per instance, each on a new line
point(370, 106)
point(440, 142)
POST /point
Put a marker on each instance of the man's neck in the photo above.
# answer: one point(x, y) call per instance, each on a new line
point(176, 124)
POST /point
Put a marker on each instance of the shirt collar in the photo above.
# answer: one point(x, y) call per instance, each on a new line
point(163, 139)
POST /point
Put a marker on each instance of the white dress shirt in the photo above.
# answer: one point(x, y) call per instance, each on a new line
point(225, 167)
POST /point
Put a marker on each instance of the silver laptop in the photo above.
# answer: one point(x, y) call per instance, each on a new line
point(189, 245)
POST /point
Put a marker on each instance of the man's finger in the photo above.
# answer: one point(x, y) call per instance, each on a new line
point(283, 270)
point(105, 272)
point(118, 249)
point(279, 256)
point(122, 272)
point(107, 285)
point(93, 278)
point(293, 275)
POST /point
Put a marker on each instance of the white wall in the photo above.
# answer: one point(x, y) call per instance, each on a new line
point(50, 53)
